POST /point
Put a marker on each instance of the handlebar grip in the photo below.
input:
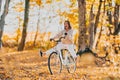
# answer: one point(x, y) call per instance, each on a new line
point(51, 39)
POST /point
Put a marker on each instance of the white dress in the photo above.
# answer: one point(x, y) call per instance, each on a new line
point(65, 44)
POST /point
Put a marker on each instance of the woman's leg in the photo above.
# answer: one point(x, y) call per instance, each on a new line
point(50, 51)
point(57, 48)
point(47, 52)
point(72, 50)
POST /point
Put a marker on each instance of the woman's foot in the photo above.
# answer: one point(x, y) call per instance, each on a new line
point(41, 53)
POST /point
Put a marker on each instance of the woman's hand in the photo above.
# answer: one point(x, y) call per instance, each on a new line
point(51, 39)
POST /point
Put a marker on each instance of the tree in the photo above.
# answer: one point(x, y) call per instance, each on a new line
point(91, 26)
point(38, 2)
point(96, 25)
point(116, 19)
point(36, 34)
point(109, 13)
point(24, 32)
point(97, 16)
point(82, 24)
point(2, 19)
point(0, 4)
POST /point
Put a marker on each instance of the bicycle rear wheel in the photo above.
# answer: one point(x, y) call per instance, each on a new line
point(71, 65)
point(54, 63)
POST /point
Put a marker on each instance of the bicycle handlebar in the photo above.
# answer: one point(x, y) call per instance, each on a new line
point(59, 40)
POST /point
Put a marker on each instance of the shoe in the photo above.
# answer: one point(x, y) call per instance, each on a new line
point(41, 53)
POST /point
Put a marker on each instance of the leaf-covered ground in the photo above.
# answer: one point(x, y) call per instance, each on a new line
point(28, 65)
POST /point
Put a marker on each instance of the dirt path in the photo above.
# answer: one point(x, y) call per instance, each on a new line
point(28, 65)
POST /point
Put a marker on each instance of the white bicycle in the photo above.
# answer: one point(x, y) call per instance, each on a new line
point(56, 61)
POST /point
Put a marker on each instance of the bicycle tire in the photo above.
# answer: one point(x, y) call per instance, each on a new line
point(71, 67)
point(54, 68)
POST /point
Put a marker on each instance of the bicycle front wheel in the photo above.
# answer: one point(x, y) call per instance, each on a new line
point(54, 63)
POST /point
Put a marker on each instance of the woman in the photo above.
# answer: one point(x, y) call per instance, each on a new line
point(66, 43)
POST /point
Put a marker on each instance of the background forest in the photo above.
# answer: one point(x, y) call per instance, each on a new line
point(27, 25)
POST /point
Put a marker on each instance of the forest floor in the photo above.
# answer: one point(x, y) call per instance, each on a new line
point(28, 65)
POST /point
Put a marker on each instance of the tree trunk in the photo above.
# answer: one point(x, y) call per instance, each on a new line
point(82, 25)
point(34, 42)
point(104, 6)
point(116, 19)
point(117, 30)
point(24, 33)
point(2, 20)
point(99, 36)
point(91, 28)
point(109, 14)
point(97, 16)
point(100, 33)
point(0, 4)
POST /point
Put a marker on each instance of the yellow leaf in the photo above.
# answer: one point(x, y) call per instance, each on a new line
point(38, 2)
point(118, 2)
point(57, 0)
point(48, 1)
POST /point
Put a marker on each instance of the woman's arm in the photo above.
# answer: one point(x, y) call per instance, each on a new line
point(59, 34)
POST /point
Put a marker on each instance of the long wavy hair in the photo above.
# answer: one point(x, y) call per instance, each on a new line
point(68, 22)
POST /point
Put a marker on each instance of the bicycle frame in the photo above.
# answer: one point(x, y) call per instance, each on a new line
point(60, 54)
point(64, 61)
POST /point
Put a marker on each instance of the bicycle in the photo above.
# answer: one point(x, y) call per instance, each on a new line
point(56, 61)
